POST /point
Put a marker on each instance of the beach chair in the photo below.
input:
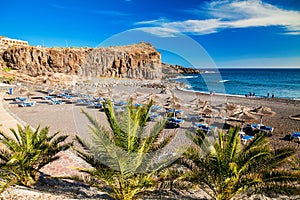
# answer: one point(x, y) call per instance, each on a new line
point(26, 104)
point(246, 138)
point(55, 102)
point(200, 125)
point(67, 97)
point(48, 97)
point(120, 103)
point(295, 135)
point(21, 99)
point(97, 105)
point(153, 116)
point(155, 108)
point(175, 120)
point(266, 129)
point(119, 108)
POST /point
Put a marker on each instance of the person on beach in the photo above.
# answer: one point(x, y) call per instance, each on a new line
point(268, 95)
point(272, 95)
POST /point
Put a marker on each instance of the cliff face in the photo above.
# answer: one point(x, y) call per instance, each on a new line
point(134, 61)
point(37, 61)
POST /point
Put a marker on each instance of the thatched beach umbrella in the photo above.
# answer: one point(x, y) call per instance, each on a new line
point(244, 116)
point(102, 93)
point(232, 109)
point(262, 111)
point(23, 90)
point(208, 111)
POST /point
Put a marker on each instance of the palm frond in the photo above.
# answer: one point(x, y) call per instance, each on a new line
point(228, 169)
point(24, 155)
point(122, 157)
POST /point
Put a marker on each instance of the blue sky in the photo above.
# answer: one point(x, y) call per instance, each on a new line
point(234, 33)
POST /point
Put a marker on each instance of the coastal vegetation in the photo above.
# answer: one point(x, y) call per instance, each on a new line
point(24, 152)
point(221, 167)
point(6, 79)
point(125, 158)
point(6, 69)
point(229, 169)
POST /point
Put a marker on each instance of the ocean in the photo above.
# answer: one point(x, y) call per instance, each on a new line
point(282, 83)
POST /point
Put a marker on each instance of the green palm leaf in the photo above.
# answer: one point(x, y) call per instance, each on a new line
point(123, 158)
point(26, 153)
point(230, 168)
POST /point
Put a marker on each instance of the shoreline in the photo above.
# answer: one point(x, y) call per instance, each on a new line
point(241, 82)
point(278, 99)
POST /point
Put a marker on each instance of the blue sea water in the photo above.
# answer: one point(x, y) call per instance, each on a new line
point(283, 83)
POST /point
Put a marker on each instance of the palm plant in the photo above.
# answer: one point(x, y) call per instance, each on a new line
point(126, 158)
point(229, 168)
point(25, 153)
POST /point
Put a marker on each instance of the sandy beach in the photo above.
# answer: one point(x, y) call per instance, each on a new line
point(68, 119)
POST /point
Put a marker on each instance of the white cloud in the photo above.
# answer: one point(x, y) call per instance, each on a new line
point(152, 22)
point(234, 14)
point(161, 32)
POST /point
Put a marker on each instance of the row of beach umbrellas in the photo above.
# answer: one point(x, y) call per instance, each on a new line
point(201, 107)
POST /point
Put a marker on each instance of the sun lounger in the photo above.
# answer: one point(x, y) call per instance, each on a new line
point(241, 134)
point(119, 108)
point(99, 99)
point(137, 105)
point(48, 97)
point(172, 110)
point(26, 104)
point(20, 99)
point(246, 138)
point(266, 129)
point(67, 97)
point(256, 126)
point(175, 120)
point(295, 135)
point(55, 102)
point(120, 103)
point(97, 105)
point(155, 108)
point(199, 125)
point(204, 127)
point(153, 116)
point(83, 102)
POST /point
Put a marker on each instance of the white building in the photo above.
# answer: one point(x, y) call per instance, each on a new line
point(6, 42)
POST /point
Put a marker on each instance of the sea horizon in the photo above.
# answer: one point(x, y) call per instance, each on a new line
point(254, 82)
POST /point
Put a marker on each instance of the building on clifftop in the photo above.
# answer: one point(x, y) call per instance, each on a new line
point(7, 42)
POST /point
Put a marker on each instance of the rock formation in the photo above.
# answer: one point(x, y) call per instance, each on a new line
point(174, 70)
point(138, 61)
point(134, 61)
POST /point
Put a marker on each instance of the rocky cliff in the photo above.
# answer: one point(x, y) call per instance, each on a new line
point(138, 61)
point(133, 61)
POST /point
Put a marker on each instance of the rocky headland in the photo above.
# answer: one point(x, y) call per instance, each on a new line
point(38, 64)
